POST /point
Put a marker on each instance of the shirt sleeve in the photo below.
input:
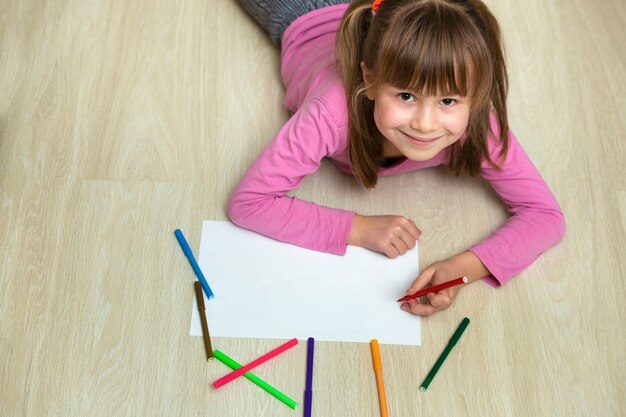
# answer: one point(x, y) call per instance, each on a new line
point(536, 221)
point(260, 201)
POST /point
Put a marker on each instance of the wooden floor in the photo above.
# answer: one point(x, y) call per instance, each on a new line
point(123, 120)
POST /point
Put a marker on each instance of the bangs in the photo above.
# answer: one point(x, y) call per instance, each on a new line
point(422, 53)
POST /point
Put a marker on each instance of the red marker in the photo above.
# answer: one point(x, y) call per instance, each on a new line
point(235, 374)
point(435, 288)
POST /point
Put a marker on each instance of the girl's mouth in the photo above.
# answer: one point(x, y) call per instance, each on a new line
point(422, 142)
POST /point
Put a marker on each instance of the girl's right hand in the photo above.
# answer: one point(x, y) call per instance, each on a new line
point(390, 235)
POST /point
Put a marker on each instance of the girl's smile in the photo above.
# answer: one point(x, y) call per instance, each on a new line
point(421, 141)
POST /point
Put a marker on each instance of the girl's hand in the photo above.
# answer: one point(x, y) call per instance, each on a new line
point(465, 264)
point(390, 235)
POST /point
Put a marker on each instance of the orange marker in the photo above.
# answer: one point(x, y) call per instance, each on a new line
point(378, 369)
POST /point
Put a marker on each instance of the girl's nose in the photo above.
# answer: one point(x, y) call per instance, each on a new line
point(424, 120)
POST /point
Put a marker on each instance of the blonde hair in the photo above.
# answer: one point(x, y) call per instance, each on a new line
point(429, 46)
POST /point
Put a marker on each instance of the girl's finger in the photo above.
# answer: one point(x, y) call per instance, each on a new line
point(400, 245)
point(421, 281)
point(413, 230)
point(440, 299)
point(419, 309)
point(390, 251)
point(408, 240)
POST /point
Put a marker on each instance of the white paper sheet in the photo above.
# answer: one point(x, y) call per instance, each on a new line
point(269, 289)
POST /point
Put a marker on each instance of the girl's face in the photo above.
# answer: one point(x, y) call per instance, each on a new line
point(416, 126)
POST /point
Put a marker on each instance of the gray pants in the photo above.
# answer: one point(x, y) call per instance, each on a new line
point(275, 15)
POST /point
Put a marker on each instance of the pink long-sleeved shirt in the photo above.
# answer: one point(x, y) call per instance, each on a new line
point(319, 129)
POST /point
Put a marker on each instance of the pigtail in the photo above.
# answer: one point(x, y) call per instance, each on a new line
point(364, 138)
point(500, 86)
point(467, 158)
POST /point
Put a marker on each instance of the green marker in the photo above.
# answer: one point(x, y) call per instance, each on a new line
point(455, 338)
point(267, 387)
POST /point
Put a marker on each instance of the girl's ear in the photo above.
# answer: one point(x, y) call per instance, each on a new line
point(367, 78)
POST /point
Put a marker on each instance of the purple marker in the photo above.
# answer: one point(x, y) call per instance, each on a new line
point(308, 391)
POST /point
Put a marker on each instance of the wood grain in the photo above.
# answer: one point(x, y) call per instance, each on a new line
point(121, 121)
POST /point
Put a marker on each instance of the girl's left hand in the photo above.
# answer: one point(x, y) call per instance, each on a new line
point(465, 264)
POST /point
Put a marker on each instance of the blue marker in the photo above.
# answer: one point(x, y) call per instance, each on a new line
point(192, 261)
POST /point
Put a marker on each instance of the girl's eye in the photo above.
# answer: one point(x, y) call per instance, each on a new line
point(448, 102)
point(408, 97)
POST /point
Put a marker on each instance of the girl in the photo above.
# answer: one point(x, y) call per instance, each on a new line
point(384, 88)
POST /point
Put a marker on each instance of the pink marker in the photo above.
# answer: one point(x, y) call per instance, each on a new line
point(235, 374)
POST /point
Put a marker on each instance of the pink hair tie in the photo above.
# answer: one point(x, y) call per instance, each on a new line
point(376, 5)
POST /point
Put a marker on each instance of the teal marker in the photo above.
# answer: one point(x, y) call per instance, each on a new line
point(258, 381)
point(455, 338)
point(194, 264)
